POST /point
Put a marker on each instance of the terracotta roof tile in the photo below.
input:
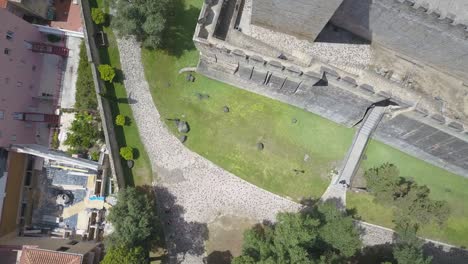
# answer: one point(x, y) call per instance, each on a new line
point(40, 256)
point(3, 3)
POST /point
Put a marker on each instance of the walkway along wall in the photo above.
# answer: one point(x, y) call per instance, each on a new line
point(103, 104)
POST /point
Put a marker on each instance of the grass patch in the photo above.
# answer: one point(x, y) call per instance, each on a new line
point(126, 135)
point(443, 184)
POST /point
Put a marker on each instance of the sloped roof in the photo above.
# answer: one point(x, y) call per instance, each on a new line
point(3, 3)
point(40, 256)
point(300, 18)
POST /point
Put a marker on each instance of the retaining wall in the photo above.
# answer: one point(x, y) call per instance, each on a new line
point(103, 105)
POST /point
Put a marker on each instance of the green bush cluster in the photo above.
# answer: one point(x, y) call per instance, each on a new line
point(411, 200)
point(126, 153)
point(84, 133)
point(120, 120)
point(86, 98)
point(107, 72)
point(136, 227)
point(98, 16)
point(144, 19)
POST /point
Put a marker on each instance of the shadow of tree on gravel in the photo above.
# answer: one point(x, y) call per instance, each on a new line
point(183, 237)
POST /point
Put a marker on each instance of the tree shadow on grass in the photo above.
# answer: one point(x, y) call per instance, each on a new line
point(181, 23)
point(183, 237)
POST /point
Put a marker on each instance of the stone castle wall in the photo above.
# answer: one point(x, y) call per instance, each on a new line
point(428, 136)
point(414, 31)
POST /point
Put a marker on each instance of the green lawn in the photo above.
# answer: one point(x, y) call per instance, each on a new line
point(128, 135)
point(229, 139)
point(443, 184)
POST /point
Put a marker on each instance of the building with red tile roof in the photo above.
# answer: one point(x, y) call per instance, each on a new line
point(41, 256)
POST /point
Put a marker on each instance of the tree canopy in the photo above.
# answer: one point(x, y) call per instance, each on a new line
point(124, 255)
point(144, 19)
point(133, 218)
point(410, 199)
point(322, 235)
point(84, 133)
point(408, 247)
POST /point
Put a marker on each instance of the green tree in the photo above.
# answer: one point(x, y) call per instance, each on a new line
point(407, 197)
point(107, 72)
point(84, 133)
point(98, 16)
point(124, 255)
point(384, 182)
point(120, 120)
point(421, 207)
point(338, 230)
point(302, 238)
point(126, 153)
point(134, 219)
point(408, 247)
point(144, 19)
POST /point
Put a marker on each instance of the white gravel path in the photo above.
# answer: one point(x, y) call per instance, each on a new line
point(201, 190)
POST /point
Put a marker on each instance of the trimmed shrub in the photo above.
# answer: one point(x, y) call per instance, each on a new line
point(107, 72)
point(120, 120)
point(126, 153)
point(98, 16)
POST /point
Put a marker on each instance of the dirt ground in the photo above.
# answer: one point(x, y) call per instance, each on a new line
point(225, 238)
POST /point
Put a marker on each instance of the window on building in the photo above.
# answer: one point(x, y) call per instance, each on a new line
point(9, 35)
point(34, 68)
point(6, 51)
point(13, 137)
point(63, 248)
point(2, 114)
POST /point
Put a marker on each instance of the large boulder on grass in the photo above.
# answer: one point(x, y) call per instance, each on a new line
point(183, 127)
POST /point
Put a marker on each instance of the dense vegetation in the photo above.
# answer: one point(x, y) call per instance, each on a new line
point(322, 235)
point(83, 134)
point(85, 92)
point(410, 200)
point(144, 19)
point(135, 225)
point(123, 255)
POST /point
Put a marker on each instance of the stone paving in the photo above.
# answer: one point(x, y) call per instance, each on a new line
point(193, 190)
